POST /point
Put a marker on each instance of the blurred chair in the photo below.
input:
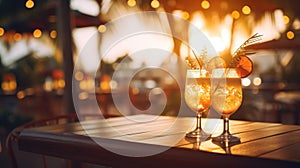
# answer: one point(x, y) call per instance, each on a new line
point(32, 160)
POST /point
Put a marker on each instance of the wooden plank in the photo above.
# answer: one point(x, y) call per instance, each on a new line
point(132, 128)
point(162, 138)
point(266, 145)
point(290, 152)
point(254, 134)
point(248, 136)
point(101, 123)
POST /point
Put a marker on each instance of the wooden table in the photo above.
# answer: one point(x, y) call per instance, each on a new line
point(262, 144)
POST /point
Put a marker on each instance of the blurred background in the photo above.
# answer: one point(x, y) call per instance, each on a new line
point(41, 40)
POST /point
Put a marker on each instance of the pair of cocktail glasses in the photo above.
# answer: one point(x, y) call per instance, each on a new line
point(221, 90)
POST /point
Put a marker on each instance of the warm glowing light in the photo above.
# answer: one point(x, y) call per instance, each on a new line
point(135, 91)
point(246, 10)
point(150, 84)
point(9, 83)
point(29, 4)
point(296, 24)
point(17, 36)
point(287, 58)
point(53, 34)
point(279, 20)
point(2, 31)
point(185, 15)
point(83, 95)
point(58, 84)
point(205, 4)
point(87, 84)
point(131, 3)
point(21, 95)
point(184, 50)
point(198, 20)
point(90, 7)
point(290, 35)
point(218, 43)
point(155, 4)
point(113, 84)
point(82, 37)
point(105, 85)
point(79, 76)
point(257, 81)
point(235, 14)
point(37, 33)
point(286, 19)
point(101, 28)
point(268, 28)
point(48, 84)
point(246, 81)
point(61, 83)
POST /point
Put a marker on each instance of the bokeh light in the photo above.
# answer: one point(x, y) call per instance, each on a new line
point(101, 28)
point(290, 35)
point(155, 4)
point(205, 4)
point(235, 14)
point(246, 82)
point(53, 34)
point(17, 36)
point(29, 4)
point(37, 33)
point(286, 19)
point(246, 10)
point(257, 81)
point(2, 31)
point(131, 3)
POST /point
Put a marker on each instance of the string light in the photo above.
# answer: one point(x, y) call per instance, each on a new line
point(37, 33)
point(53, 34)
point(296, 24)
point(246, 82)
point(235, 14)
point(101, 28)
point(290, 35)
point(2, 31)
point(257, 81)
point(205, 4)
point(131, 3)
point(286, 19)
point(17, 37)
point(185, 15)
point(155, 4)
point(246, 10)
point(29, 4)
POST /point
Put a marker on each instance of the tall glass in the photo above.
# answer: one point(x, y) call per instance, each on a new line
point(197, 97)
point(226, 97)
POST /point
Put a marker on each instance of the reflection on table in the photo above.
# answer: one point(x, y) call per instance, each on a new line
point(262, 144)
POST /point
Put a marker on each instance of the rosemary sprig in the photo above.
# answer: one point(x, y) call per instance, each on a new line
point(198, 64)
point(191, 63)
point(198, 60)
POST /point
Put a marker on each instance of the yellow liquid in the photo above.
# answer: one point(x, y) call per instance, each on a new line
point(197, 93)
point(226, 95)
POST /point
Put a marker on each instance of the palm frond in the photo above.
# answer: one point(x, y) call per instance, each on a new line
point(253, 39)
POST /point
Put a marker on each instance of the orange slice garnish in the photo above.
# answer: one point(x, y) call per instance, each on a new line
point(216, 62)
point(243, 65)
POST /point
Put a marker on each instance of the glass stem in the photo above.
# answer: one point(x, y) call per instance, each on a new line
point(199, 116)
point(226, 126)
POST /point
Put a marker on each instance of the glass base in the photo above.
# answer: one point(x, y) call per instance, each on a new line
point(198, 134)
point(226, 139)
